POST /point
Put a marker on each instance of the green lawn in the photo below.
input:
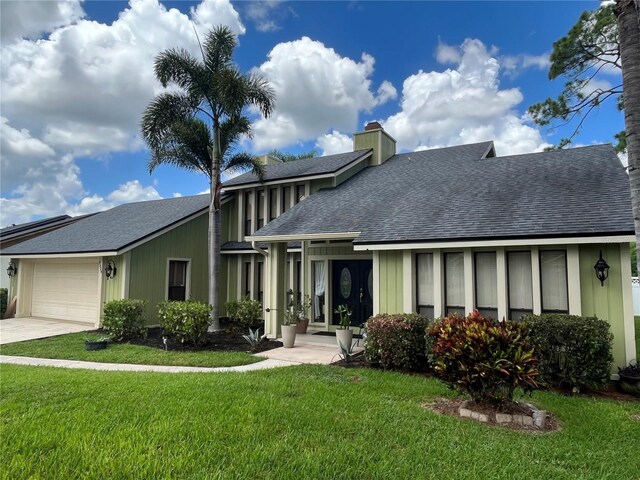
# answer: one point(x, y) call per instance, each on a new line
point(299, 422)
point(71, 347)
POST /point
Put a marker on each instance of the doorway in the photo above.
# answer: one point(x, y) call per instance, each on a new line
point(352, 285)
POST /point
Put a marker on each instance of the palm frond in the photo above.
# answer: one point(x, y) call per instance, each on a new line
point(219, 45)
point(231, 130)
point(243, 162)
point(260, 94)
point(163, 111)
point(178, 66)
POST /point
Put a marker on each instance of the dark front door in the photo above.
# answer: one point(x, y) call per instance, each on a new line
point(352, 285)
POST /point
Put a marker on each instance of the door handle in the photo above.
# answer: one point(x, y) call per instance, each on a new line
point(361, 296)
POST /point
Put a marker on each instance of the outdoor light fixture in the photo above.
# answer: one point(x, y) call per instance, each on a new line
point(602, 269)
point(110, 270)
point(12, 269)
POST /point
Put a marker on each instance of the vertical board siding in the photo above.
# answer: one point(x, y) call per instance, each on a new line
point(604, 302)
point(149, 264)
point(350, 172)
point(113, 287)
point(391, 282)
point(320, 183)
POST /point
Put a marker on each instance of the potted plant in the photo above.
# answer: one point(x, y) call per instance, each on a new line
point(344, 335)
point(302, 309)
point(289, 328)
point(96, 343)
point(630, 378)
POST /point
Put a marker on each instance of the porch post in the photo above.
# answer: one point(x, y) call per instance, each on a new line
point(276, 288)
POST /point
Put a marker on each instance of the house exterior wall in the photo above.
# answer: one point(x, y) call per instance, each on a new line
point(114, 288)
point(391, 282)
point(149, 263)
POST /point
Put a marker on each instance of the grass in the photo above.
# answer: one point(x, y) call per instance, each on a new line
point(71, 347)
point(299, 422)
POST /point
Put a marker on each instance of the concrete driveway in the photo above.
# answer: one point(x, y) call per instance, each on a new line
point(19, 329)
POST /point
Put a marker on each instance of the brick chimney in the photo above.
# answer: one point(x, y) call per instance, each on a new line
point(374, 136)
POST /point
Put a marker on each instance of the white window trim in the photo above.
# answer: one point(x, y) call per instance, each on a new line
point(187, 289)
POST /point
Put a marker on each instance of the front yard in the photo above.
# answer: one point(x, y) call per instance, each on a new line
point(71, 347)
point(299, 422)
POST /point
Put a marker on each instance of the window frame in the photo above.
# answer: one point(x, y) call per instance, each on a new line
point(248, 213)
point(417, 280)
point(566, 279)
point(509, 308)
point(187, 285)
point(475, 283)
point(444, 285)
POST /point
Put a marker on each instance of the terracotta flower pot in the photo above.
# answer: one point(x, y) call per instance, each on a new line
point(302, 325)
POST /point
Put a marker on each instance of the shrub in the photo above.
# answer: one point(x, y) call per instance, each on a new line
point(124, 319)
point(244, 313)
point(396, 341)
point(484, 358)
point(574, 352)
point(187, 321)
point(3, 301)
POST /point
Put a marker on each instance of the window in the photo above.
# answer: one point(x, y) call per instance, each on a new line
point(300, 190)
point(273, 203)
point(486, 274)
point(177, 280)
point(553, 281)
point(247, 280)
point(286, 198)
point(318, 290)
point(260, 280)
point(260, 209)
point(520, 284)
point(454, 283)
point(248, 212)
point(424, 287)
point(298, 281)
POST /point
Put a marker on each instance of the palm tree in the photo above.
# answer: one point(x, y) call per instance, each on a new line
point(197, 125)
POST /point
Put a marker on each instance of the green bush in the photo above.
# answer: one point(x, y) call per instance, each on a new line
point(124, 319)
point(3, 301)
point(483, 358)
point(244, 313)
point(574, 352)
point(187, 321)
point(397, 341)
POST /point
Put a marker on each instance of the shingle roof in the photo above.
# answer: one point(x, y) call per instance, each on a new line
point(113, 229)
point(454, 194)
point(301, 168)
point(13, 234)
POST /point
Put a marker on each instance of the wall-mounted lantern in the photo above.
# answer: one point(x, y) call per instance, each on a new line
point(110, 270)
point(12, 269)
point(602, 269)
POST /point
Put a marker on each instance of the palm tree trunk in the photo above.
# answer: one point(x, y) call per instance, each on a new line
point(627, 12)
point(214, 231)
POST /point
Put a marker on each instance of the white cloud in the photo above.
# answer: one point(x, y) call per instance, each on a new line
point(462, 105)
point(513, 65)
point(261, 14)
point(81, 91)
point(316, 90)
point(334, 142)
point(446, 54)
point(22, 19)
point(386, 91)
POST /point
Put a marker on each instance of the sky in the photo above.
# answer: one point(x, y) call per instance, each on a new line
point(76, 76)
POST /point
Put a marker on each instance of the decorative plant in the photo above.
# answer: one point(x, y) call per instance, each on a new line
point(291, 316)
point(345, 352)
point(632, 370)
point(253, 338)
point(244, 313)
point(124, 319)
point(483, 358)
point(185, 321)
point(345, 316)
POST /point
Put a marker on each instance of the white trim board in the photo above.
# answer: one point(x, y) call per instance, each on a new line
point(305, 236)
point(496, 243)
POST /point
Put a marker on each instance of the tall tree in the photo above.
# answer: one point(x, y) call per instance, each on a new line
point(628, 20)
point(606, 38)
point(197, 123)
point(590, 49)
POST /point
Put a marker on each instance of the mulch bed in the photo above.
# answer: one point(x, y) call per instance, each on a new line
point(218, 341)
point(451, 408)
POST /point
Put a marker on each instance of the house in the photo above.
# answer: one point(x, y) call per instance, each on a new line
point(15, 234)
point(433, 231)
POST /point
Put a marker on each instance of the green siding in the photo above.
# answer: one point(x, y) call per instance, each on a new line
point(604, 302)
point(149, 264)
point(369, 139)
point(350, 172)
point(113, 286)
point(366, 140)
point(390, 282)
point(230, 220)
point(321, 183)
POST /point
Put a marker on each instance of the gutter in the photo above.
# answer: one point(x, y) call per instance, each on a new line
point(261, 251)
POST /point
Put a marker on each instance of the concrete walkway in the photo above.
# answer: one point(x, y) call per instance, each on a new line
point(127, 367)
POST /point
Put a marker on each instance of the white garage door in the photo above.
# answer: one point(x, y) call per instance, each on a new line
point(66, 291)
